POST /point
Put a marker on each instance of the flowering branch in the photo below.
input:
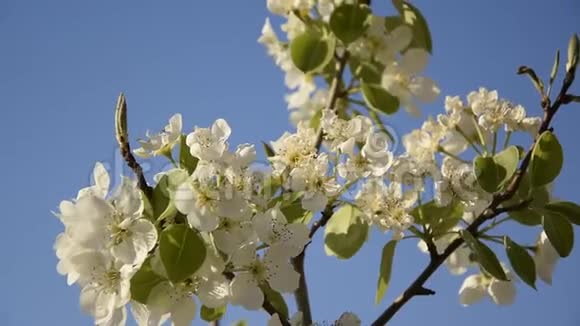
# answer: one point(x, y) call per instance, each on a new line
point(124, 147)
point(493, 209)
point(301, 294)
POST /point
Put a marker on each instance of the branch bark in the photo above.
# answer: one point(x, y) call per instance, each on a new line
point(494, 209)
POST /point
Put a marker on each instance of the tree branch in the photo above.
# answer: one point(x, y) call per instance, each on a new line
point(122, 136)
point(301, 294)
point(493, 210)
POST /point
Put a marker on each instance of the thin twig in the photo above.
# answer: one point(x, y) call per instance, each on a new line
point(122, 136)
point(493, 210)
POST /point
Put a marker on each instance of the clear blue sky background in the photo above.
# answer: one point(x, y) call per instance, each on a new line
point(62, 64)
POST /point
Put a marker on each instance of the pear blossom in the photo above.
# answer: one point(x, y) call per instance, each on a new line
point(209, 143)
point(373, 159)
point(545, 258)
point(387, 207)
point(273, 269)
point(172, 301)
point(478, 286)
point(273, 229)
point(338, 131)
point(105, 286)
point(292, 150)
point(401, 80)
point(311, 178)
point(163, 142)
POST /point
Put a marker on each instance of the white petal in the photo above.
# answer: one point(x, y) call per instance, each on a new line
point(202, 220)
point(274, 320)
point(314, 202)
point(282, 277)
point(184, 198)
point(214, 292)
point(414, 60)
point(183, 312)
point(245, 292)
point(221, 130)
point(472, 290)
point(125, 251)
point(502, 292)
point(101, 178)
point(425, 89)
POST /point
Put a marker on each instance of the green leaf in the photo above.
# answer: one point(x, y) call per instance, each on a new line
point(547, 159)
point(160, 199)
point(378, 98)
point(413, 17)
point(573, 53)
point(568, 209)
point(527, 216)
point(368, 72)
point(276, 300)
point(315, 121)
point(487, 173)
point(182, 251)
point(143, 282)
point(345, 233)
point(392, 22)
point(241, 323)
point(484, 256)
point(186, 160)
point(559, 232)
point(439, 218)
point(147, 207)
point(521, 261)
point(211, 314)
point(385, 270)
point(268, 149)
point(555, 67)
point(349, 21)
point(311, 51)
point(507, 162)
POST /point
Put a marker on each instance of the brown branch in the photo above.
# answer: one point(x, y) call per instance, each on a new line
point(124, 147)
point(493, 210)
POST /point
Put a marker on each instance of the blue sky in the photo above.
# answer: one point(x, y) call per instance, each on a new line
point(62, 64)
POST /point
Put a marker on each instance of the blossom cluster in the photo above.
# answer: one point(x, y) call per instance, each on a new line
point(214, 230)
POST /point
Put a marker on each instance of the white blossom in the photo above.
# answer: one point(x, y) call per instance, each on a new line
point(545, 258)
point(401, 80)
point(163, 142)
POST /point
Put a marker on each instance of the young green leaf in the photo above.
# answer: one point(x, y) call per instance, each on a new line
point(487, 173)
point(439, 218)
point(276, 299)
point(484, 256)
point(521, 261)
point(559, 231)
point(345, 233)
point(211, 314)
point(160, 198)
point(573, 53)
point(507, 163)
point(349, 21)
point(413, 17)
point(182, 251)
point(547, 159)
point(379, 99)
point(385, 270)
point(143, 282)
point(555, 68)
point(367, 71)
point(310, 51)
point(568, 209)
point(186, 160)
